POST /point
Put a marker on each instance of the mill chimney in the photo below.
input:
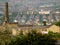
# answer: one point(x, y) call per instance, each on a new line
point(6, 13)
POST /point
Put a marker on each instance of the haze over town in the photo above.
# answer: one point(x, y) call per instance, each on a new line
point(43, 9)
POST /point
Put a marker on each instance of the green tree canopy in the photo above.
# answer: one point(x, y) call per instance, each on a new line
point(57, 23)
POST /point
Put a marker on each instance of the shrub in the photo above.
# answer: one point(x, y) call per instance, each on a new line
point(33, 38)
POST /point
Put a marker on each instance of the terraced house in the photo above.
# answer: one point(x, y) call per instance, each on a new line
point(16, 28)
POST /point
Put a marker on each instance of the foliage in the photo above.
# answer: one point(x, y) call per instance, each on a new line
point(32, 38)
point(44, 23)
point(54, 35)
point(57, 23)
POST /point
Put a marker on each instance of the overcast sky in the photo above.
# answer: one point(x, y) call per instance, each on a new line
point(28, 2)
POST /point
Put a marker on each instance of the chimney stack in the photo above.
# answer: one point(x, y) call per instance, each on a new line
point(6, 13)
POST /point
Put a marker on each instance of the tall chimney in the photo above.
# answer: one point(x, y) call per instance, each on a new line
point(6, 12)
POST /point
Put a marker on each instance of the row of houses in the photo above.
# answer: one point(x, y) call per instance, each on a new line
point(41, 29)
point(15, 28)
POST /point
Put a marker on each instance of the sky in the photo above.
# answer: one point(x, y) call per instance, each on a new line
point(29, 3)
point(15, 5)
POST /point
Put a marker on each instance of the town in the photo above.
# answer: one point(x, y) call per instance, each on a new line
point(42, 21)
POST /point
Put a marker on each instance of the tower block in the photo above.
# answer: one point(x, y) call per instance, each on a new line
point(6, 13)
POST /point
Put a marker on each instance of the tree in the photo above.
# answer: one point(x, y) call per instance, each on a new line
point(33, 38)
point(58, 24)
point(44, 23)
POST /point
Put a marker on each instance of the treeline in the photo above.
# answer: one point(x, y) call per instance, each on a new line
point(32, 38)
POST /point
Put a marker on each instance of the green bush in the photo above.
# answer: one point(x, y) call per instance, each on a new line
point(33, 38)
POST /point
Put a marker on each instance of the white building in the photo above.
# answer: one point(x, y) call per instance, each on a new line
point(44, 12)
